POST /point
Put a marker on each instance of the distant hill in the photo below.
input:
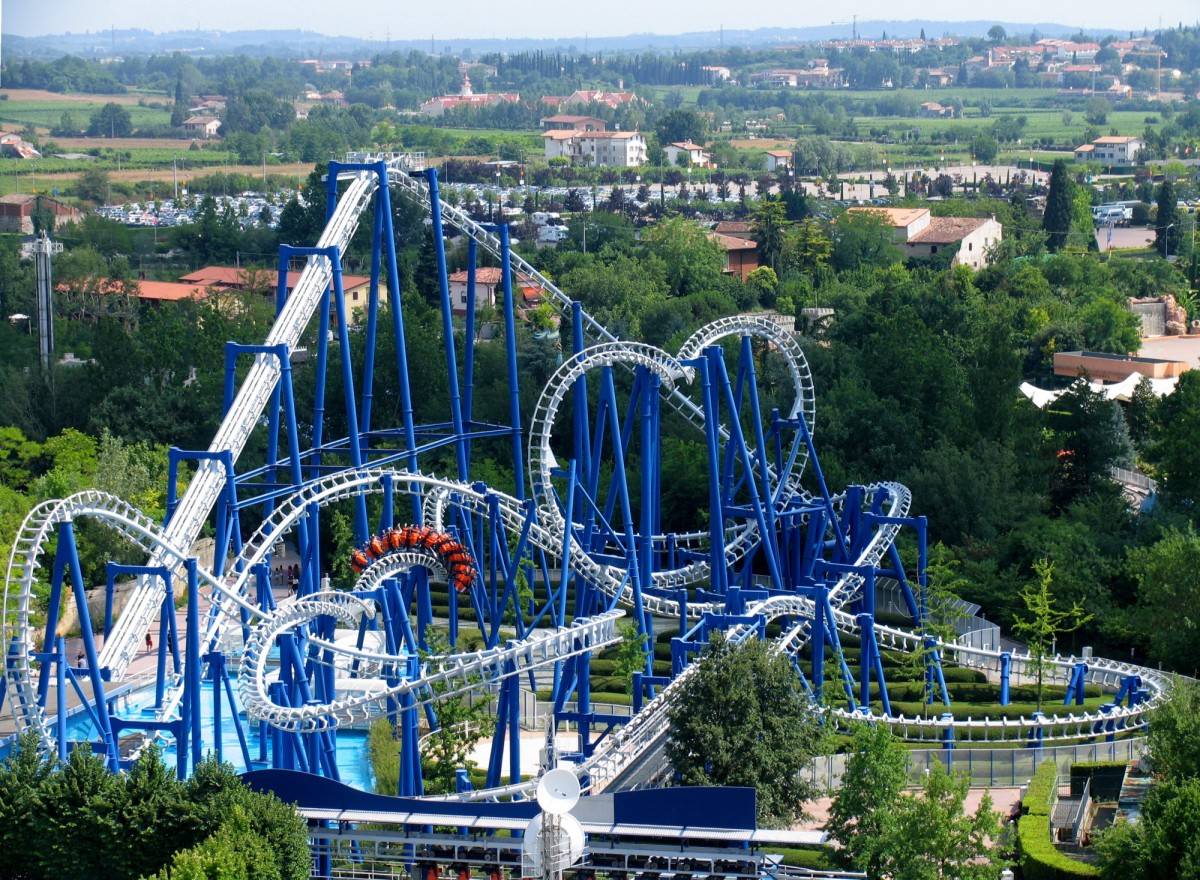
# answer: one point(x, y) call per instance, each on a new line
point(304, 44)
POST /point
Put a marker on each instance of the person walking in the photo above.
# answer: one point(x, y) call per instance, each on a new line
point(149, 643)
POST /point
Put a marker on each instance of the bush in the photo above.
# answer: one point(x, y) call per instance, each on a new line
point(1036, 854)
point(1106, 777)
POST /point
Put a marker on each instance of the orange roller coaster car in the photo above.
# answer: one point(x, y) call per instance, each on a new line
point(446, 549)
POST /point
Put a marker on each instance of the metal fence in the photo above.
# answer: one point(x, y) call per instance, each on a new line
point(987, 768)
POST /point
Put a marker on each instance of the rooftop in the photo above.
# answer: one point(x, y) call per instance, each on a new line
point(947, 230)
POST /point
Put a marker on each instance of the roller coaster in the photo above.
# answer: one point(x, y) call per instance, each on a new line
point(546, 571)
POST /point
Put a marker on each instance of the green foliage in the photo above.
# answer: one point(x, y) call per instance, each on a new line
point(1044, 623)
point(1173, 738)
point(383, 751)
point(1060, 207)
point(743, 718)
point(1168, 588)
point(630, 654)
point(1036, 854)
point(862, 817)
point(927, 834)
point(79, 820)
point(111, 120)
point(462, 721)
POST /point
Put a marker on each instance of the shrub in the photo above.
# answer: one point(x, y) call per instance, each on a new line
point(1038, 858)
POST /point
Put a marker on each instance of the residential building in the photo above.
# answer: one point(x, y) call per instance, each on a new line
point(934, 110)
point(1111, 150)
point(489, 289)
point(741, 254)
point(583, 97)
point(920, 234)
point(736, 228)
point(465, 98)
point(205, 126)
point(778, 160)
point(625, 149)
point(819, 76)
point(696, 157)
point(13, 145)
point(566, 122)
point(717, 73)
point(356, 289)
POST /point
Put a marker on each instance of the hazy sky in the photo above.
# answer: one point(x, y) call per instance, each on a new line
point(551, 18)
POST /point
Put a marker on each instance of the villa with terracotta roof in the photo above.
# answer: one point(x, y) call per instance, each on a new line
point(920, 234)
point(1111, 150)
point(489, 289)
point(465, 98)
point(356, 289)
point(696, 157)
point(583, 97)
point(623, 149)
point(567, 122)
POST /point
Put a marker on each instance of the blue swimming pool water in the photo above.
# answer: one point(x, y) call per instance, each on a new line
point(353, 764)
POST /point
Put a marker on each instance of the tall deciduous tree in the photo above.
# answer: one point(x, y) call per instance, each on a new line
point(743, 718)
point(862, 817)
point(1168, 578)
point(1044, 623)
point(1060, 207)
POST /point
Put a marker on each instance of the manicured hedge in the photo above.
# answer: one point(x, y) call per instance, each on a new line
point(1106, 777)
point(1037, 856)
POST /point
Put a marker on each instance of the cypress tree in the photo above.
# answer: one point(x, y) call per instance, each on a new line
point(1060, 207)
point(1166, 223)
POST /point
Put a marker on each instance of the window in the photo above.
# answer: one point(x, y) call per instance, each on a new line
point(970, 245)
point(354, 296)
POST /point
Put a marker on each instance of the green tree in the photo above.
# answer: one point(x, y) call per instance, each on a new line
point(997, 33)
point(679, 125)
point(1165, 843)
point(864, 238)
point(770, 221)
point(1060, 207)
point(1173, 446)
point(693, 261)
point(935, 838)
point(630, 654)
point(1097, 110)
point(743, 718)
point(462, 721)
point(1168, 588)
point(111, 120)
point(807, 248)
point(862, 817)
point(1044, 622)
point(179, 108)
point(1167, 230)
point(93, 185)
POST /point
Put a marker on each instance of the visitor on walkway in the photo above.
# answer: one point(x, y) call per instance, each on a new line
point(149, 643)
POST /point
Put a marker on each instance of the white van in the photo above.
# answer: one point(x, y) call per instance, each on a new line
point(543, 218)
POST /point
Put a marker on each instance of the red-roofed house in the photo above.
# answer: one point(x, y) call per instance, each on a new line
point(205, 126)
point(356, 289)
point(466, 98)
point(566, 122)
point(779, 160)
point(921, 235)
point(741, 255)
point(696, 157)
point(489, 289)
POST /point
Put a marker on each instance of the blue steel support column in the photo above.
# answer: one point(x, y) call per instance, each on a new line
point(372, 315)
point(769, 536)
point(469, 337)
point(510, 342)
point(67, 548)
point(191, 668)
point(362, 528)
point(60, 692)
point(1005, 676)
point(719, 574)
point(817, 640)
point(439, 247)
point(389, 234)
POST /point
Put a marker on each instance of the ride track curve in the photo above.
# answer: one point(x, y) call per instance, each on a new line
point(233, 606)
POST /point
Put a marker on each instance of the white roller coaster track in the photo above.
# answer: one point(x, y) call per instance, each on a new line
point(169, 547)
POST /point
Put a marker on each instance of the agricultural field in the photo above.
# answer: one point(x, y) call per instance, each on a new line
point(43, 110)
